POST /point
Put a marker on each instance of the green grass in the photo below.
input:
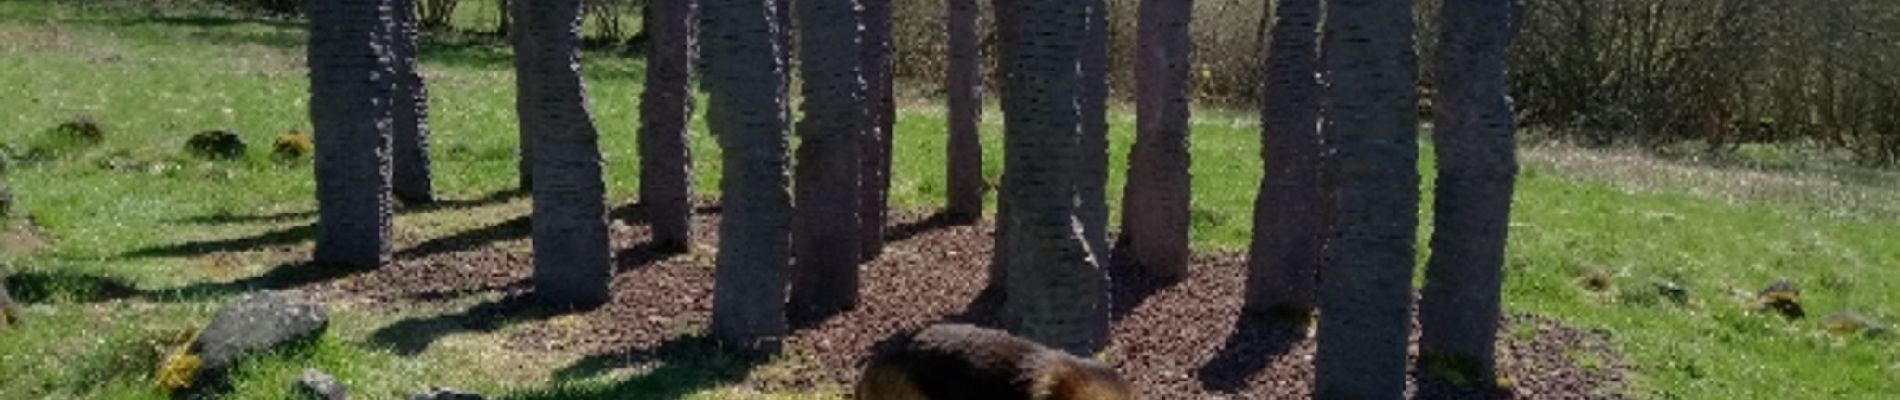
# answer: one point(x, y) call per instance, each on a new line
point(116, 213)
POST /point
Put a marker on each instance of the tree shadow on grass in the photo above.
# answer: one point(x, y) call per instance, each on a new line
point(224, 218)
point(457, 204)
point(1257, 340)
point(284, 276)
point(278, 237)
point(412, 336)
point(635, 213)
point(515, 228)
point(681, 366)
point(58, 286)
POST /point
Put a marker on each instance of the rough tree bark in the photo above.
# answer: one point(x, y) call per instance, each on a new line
point(572, 258)
point(1092, 185)
point(410, 179)
point(1056, 294)
point(1291, 209)
point(876, 169)
point(826, 234)
point(745, 82)
point(1370, 103)
point(350, 95)
point(1477, 165)
point(524, 104)
point(1155, 198)
point(964, 87)
point(666, 111)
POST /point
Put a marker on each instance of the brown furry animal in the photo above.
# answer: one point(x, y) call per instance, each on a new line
point(956, 361)
point(9, 312)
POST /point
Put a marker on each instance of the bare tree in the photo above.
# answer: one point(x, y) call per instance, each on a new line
point(882, 111)
point(410, 180)
point(666, 110)
point(1370, 103)
point(572, 258)
point(964, 84)
point(1291, 210)
point(826, 235)
point(350, 94)
point(1473, 134)
point(1155, 198)
point(745, 82)
point(1056, 292)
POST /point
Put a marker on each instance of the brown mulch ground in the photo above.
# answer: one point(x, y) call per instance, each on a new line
point(1174, 341)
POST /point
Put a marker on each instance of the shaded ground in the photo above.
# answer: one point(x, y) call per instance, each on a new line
point(1175, 341)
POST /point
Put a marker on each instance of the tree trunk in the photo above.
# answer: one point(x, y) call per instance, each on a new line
point(876, 169)
point(572, 260)
point(1056, 293)
point(503, 16)
point(745, 83)
point(1477, 165)
point(1006, 25)
point(411, 178)
point(826, 234)
point(666, 110)
point(350, 94)
point(524, 105)
point(1290, 212)
point(1155, 198)
point(964, 86)
point(1092, 185)
point(1370, 104)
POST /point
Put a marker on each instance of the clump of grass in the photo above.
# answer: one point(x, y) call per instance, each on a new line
point(78, 133)
point(81, 128)
point(1596, 281)
point(179, 369)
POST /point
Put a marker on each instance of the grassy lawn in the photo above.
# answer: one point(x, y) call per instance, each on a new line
point(110, 218)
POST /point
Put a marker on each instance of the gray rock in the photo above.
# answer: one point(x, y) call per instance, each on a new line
point(315, 384)
point(258, 322)
point(442, 393)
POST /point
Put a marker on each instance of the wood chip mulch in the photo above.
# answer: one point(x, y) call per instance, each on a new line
point(1179, 341)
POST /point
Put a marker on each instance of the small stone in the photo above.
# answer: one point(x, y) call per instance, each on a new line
point(258, 322)
point(315, 384)
point(442, 393)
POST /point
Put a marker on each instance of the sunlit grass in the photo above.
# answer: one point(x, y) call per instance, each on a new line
point(153, 79)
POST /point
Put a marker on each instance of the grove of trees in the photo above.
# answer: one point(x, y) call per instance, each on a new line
point(1339, 90)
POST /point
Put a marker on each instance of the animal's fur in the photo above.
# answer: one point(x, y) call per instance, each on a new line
point(955, 361)
point(9, 312)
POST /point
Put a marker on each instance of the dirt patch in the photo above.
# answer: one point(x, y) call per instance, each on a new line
point(22, 238)
point(1185, 340)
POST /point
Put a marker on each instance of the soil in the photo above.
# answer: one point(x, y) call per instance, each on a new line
point(1174, 341)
